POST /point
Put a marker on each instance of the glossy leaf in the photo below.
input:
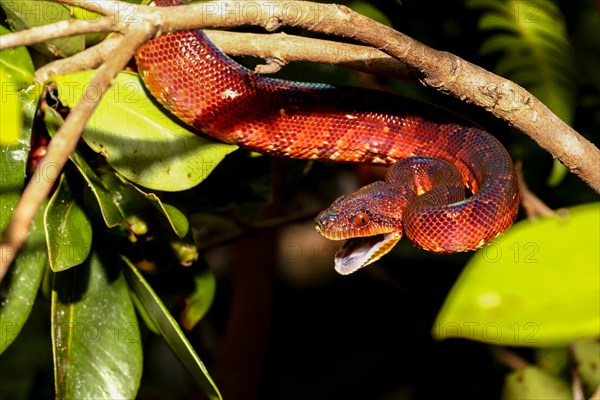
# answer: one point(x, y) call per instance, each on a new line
point(95, 333)
point(132, 200)
point(141, 310)
point(19, 287)
point(16, 74)
point(13, 162)
point(138, 139)
point(13, 153)
point(538, 285)
point(587, 357)
point(68, 230)
point(534, 383)
point(24, 360)
point(198, 304)
point(110, 211)
point(24, 14)
point(170, 331)
point(176, 218)
point(11, 122)
point(17, 62)
point(91, 16)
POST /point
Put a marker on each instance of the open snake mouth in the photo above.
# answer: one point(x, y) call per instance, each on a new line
point(359, 252)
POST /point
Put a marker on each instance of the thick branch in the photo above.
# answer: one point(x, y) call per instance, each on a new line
point(284, 48)
point(288, 48)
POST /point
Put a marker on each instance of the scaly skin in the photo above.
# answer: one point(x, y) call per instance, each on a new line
point(195, 81)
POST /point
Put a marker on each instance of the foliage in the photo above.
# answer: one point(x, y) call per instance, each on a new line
point(111, 256)
point(537, 54)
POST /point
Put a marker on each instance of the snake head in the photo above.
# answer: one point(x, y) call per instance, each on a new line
point(369, 220)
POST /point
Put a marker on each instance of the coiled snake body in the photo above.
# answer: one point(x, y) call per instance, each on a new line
point(434, 154)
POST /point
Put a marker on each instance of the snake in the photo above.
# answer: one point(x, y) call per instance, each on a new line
point(450, 186)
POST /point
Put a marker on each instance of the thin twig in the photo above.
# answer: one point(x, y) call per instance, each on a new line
point(90, 58)
point(62, 145)
point(58, 30)
point(509, 358)
point(576, 385)
point(534, 207)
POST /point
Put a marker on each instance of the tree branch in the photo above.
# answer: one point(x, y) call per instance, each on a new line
point(283, 47)
point(90, 58)
point(58, 30)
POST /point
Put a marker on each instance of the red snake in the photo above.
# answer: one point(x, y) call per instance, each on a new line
point(434, 154)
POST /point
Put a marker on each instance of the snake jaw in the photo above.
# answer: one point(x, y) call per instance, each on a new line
point(359, 252)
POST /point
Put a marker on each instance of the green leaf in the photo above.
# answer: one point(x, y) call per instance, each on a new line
point(11, 122)
point(24, 14)
point(557, 174)
point(13, 160)
point(143, 313)
point(138, 139)
point(169, 330)
point(95, 333)
point(554, 360)
point(532, 34)
point(20, 285)
point(534, 383)
point(368, 10)
point(176, 218)
point(198, 304)
point(538, 285)
point(13, 163)
point(81, 13)
point(587, 357)
point(17, 62)
point(68, 230)
point(16, 74)
point(131, 200)
point(28, 358)
point(110, 211)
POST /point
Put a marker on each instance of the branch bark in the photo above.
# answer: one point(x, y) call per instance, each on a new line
point(436, 69)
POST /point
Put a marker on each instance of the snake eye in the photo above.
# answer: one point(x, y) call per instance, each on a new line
point(361, 219)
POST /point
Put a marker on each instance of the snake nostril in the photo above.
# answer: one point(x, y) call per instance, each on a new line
point(325, 220)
